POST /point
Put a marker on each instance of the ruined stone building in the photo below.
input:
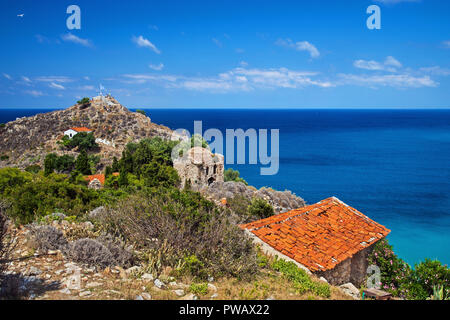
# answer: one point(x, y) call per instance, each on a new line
point(329, 238)
point(199, 167)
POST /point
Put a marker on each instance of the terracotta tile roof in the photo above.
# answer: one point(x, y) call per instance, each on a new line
point(100, 177)
point(319, 236)
point(81, 129)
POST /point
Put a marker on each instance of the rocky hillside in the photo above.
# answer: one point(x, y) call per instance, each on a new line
point(281, 201)
point(27, 140)
point(33, 274)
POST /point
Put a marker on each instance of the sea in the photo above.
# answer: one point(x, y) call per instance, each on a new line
point(393, 165)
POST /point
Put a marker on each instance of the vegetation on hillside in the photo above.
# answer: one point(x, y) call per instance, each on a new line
point(173, 229)
point(84, 141)
point(233, 175)
point(397, 277)
point(250, 210)
point(84, 101)
point(4, 243)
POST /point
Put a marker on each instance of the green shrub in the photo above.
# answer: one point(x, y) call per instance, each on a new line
point(427, 275)
point(150, 161)
point(185, 225)
point(85, 100)
point(35, 168)
point(260, 208)
point(233, 175)
point(82, 163)
point(193, 266)
point(200, 289)
point(34, 195)
point(439, 293)
point(301, 280)
point(85, 141)
point(141, 112)
point(400, 279)
point(394, 271)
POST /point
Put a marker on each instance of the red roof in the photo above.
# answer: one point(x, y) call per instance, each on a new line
point(100, 177)
point(319, 236)
point(81, 129)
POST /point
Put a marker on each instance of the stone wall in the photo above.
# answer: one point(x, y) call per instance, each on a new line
point(351, 270)
point(200, 168)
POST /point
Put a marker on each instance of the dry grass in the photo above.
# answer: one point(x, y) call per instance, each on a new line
point(268, 285)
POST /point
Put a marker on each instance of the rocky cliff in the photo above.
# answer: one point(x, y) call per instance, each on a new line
point(27, 140)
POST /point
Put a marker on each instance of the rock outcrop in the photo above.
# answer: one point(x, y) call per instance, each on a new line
point(27, 140)
point(281, 201)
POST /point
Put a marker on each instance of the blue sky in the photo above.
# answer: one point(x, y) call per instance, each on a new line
point(226, 53)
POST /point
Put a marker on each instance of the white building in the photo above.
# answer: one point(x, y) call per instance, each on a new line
point(73, 131)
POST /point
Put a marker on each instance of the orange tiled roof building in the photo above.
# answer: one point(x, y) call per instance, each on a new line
point(329, 238)
point(75, 130)
point(97, 181)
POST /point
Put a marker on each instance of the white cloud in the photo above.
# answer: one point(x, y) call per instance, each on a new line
point(217, 42)
point(26, 79)
point(299, 46)
point(145, 43)
point(368, 65)
point(34, 93)
point(390, 64)
point(87, 88)
point(73, 38)
point(396, 81)
point(157, 67)
point(237, 79)
point(446, 44)
point(57, 79)
point(7, 76)
point(54, 85)
point(391, 61)
point(242, 79)
point(243, 63)
point(436, 70)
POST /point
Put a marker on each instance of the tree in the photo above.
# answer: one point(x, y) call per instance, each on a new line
point(85, 100)
point(35, 168)
point(82, 163)
point(155, 175)
point(260, 208)
point(82, 140)
point(122, 180)
point(50, 163)
point(65, 163)
point(115, 165)
point(233, 175)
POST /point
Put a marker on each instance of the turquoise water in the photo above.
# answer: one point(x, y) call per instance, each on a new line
point(392, 165)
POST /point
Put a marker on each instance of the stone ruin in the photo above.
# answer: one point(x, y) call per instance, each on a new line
point(199, 168)
point(95, 184)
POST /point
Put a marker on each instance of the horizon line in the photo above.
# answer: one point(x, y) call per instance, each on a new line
point(256, 108)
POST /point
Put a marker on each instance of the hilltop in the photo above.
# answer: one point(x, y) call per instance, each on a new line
point(27, 140)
